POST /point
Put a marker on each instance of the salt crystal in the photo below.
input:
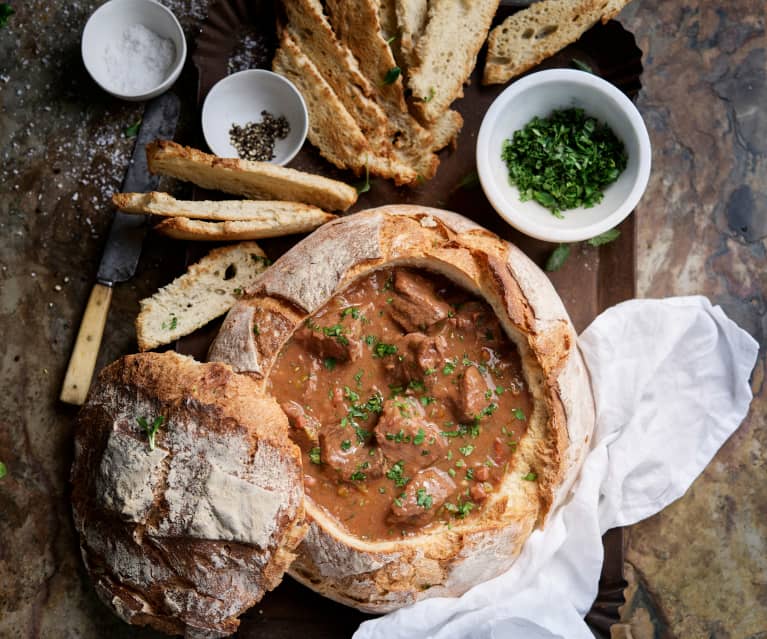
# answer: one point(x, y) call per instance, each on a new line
point(139, 60)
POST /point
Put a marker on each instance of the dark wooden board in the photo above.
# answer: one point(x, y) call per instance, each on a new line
point(590, 281)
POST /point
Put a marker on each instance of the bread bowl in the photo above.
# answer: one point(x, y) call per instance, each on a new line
point(443, 253)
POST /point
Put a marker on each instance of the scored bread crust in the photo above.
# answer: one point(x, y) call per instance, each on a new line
point(187, 536)
point(381, 576)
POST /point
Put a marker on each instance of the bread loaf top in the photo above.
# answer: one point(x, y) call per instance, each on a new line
point(186, 529)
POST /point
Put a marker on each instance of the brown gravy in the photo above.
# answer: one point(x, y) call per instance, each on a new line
point(407, 399)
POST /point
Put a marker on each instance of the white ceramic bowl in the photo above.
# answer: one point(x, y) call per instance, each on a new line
point(540, 94)
point(108, 23)
point(240, 98)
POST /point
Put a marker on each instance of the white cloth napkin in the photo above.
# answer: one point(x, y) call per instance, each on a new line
point(671, 384)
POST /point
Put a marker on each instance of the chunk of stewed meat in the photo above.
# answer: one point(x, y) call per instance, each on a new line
point(419, 354)
point(405, 434)
point(304, 429)
point(473, 390)
point(353, 460)
point(335, 342)
point(414, 304)
point(422, 497)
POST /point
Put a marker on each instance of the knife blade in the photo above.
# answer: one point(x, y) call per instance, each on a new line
point(121, 251)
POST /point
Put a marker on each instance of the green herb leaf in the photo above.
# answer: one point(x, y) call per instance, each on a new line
point(358, 475)
point(3, 470)
point(469, 181)
point(392, 39)
point(256, 330)
point(605, 238)
point(430, 96)
point(382, 350)
point(448, 368)
point(419, 437)
point(530, 477)
point(519, 414)
point(423, 499)
point(466, 450)
point(364, 187)
point(314, 455)
point(132, 130)
point(557, 258)
point(151, 431)
point(564, 161)
point(396, 474)
point(330, 363)
point(392, 75)
point(581, 65)
point(346, 444)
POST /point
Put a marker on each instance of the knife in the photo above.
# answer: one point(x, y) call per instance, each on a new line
point(121, 252)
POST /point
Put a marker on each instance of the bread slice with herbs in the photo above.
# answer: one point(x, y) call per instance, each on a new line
point(256, 180)
point(528, 37)
point(207, 290)
point(155, 203)
point(183, 228)
point(446, 53)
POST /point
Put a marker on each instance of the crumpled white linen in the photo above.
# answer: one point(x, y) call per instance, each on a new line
point(671, 384)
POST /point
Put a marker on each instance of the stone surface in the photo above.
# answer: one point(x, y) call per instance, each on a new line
point(698, 569)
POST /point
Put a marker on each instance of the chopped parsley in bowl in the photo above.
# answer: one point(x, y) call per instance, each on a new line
point(564, 161)
point(544, 147)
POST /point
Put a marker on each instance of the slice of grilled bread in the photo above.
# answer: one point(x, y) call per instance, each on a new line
point(411, 20)
point(257, 180)
point(446, 53)
point(530, 36)
point(155, 203)
point(208, 289)
point(182, 228)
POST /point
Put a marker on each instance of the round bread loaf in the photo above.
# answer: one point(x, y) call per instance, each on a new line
point(382, 575)
point(187, 493)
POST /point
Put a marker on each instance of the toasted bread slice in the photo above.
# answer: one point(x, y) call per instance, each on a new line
point(411, 21)
point(208, 289)
point(257, 180)
point(182, 228)
point(538, 32)
point(357, 25)
point(446, 54)
point(331, 128)
point(155, 203)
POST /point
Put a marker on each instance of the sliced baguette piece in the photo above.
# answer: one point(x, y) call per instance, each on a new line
point(182, 228)
point(155, 203)
point(331, 128)
point(446, 53)
point(207, 290)
point(530, 36)
point(257, 180)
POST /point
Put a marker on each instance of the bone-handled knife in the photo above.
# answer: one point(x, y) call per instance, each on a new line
point(121, 252)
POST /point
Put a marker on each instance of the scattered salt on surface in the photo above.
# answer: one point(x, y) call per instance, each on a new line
point(139, 60)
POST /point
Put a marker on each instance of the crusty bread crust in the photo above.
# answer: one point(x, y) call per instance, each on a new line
point(384, 575)
point(187, 536)
point(528, 37)
point(257, 180)
point(182, 228)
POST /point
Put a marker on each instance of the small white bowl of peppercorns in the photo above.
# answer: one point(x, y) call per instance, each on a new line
point(563, 155)
point(255, 115)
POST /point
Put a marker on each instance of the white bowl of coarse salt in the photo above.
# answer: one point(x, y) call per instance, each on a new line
point(134, 49)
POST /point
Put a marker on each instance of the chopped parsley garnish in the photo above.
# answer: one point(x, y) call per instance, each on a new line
point(351, 310)
point(314, 455)
point(420, 436)
point(151, 431)
point(448, 368)
point(489, 410)
point(396, 474)
point(423, 499)
point(430, 371)
point(392, 75)
point(171, 324)
point(564, 161)
point(382, 350)
point(364, 186)
point(399, 501)
point(460, 509)
point(346, 444)
point(530, 476)
point(351, 395)
point(3, 470)
point(488, 394)
point(469, 473)
point(256, 330)
point(260, 259)
point(398, 437)
point(427, 399)
point(451, 472)
point(329, 363)
point(466, 450)
point(370, 340)
point(358, 378)
point(519, 414)
point(130, 131)
point(237, 291)
point(499, 390)
point(417, 385)
point(358, 475)
point(430, 96)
